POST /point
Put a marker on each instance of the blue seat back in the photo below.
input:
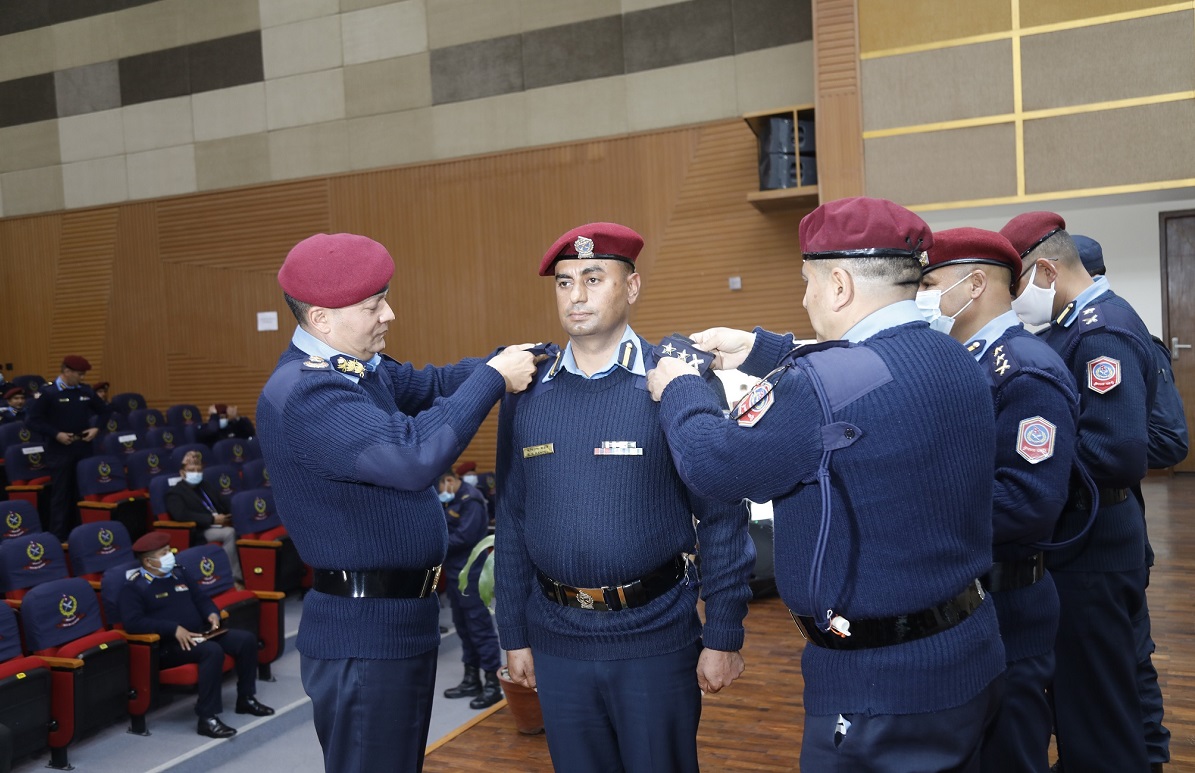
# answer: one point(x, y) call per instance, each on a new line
point(144, 466)
point(127, 402)
point(18, 518)
point(207, 566)
point(236, 451)
point(183, 415)
point(253, 511)
point(26, 461)
point(96, 547)
point(30, 561)
point(57, 612)
point(99, 475)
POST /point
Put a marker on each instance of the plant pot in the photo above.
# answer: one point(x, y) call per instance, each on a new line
point(523, 703)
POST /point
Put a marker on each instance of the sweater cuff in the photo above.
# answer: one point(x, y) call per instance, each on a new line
point(765, 355)
point(724, 639)
point(513, 637)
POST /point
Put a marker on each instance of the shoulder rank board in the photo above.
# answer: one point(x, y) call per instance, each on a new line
point(682, 348)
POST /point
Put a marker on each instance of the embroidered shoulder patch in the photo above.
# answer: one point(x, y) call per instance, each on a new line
point(315, 363)
point(1103, 374)
point(1035, 439)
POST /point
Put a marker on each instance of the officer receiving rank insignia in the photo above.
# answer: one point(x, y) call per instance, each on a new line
point(967, 282)
point(596, 595)
point(878, 450)
point(1101, 579)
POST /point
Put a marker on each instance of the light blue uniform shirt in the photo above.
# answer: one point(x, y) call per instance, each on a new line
point(991, 331)
point(309, 344)
point(634, 363)
point(892, 315)
point(1098, 288)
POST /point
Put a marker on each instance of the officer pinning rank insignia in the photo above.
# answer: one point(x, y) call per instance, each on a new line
point(1035, 439)
point(682, 348)
point(618, 448)
point(350, 366)
point(1103, 374)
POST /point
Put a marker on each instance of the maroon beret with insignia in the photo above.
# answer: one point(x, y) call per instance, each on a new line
point(972, 245)
point(595, 240)
point(11, 393)
point(335, 270)
point(863, 227)
point(1026, 231)
point(154, 540)
point(75, 362)
point(101, 385)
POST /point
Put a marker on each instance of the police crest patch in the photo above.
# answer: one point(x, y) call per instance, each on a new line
point(754, 404)
point(1103, 374)
point(1035, 439)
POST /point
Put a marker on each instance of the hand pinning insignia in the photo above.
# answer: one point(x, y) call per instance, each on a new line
point(678, 346)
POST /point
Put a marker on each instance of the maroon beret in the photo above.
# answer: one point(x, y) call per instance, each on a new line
point(101, 385)
point(972, 245)
point(154, 540)
point(863, 227)
point(595, 240)
point(222, 408)
point(14, 392)
point(464, 467)
point(335, 270)
point(1030, 229)
point(75, 362)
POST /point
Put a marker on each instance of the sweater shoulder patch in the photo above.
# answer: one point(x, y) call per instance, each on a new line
point(848, 373)
point(315, 363)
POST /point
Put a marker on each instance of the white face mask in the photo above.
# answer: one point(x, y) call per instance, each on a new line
point(470, 479)
point(1035, 306)
point(223, 423)
point(194, 478)
point(166, 563)
point(446, 496)
point(930, 304)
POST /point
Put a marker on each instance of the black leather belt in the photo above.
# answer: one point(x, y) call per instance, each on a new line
point(377, 583)
point(611, 598)
point(1011, 575)
point(1080, 498)
point(886, 631)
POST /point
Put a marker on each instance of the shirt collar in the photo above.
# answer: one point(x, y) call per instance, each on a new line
point(309, 344)
point(58, 382)
point(629, 358)
point(1098, 287)
point(988, 334)
point(892, 315)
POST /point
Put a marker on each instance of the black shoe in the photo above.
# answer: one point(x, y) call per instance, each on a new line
point(212, 727)
point(252, 706)
point(469, 686)
point(490, 694)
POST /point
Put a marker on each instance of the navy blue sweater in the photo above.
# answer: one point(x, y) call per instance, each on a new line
point(352, 468)
point(1113, 429)
point(590, 521)
point(1028, 380)
point(911, 493)
point(64, 410)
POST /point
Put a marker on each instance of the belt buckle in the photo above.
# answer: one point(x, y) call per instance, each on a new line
point(433, 575)
point(584, 599)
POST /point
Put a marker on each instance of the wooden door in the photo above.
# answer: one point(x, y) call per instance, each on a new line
point(1178, 308)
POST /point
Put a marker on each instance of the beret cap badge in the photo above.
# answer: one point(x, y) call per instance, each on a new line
point(584, 247)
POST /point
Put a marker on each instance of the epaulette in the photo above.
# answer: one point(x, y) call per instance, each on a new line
point(682, 348)
point(1091, 318)
point(1001, 362)
point(315, 363)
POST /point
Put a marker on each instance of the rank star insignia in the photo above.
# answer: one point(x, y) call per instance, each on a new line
point(584, 247)
point(683, 356)
point(1000, 370)
point(668, 349)
point(1090, 320)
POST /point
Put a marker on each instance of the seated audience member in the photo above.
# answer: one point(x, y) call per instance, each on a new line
point(14, 405)
point(162, 599)
point(223, 422)
point(201, 501)
point(101, 390)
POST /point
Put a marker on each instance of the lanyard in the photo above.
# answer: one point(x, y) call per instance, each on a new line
point(207, 501)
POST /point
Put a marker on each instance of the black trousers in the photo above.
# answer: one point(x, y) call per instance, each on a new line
point(209, 656)
point(64, 488)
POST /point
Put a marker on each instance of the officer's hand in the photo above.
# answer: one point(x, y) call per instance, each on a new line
point(213, 620)
point(89, 435)
point(717, 669)
point(729, 347)
point(521, 667)
point(517, 366)
point(185, 638)
point(65, 438)
point(211, 410)
point(663, 373)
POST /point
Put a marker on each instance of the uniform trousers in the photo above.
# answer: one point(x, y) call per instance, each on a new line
point(1157, 737)
point(1018, 740)
point(209, 657)
point(371, 715)
point(608, 716)
point(946, 741)
point(475, 626)
point(64, 485)
point(1097, 707)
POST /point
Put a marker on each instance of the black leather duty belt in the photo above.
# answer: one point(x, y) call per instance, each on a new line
point(886, 631)
point(1080, 498)
point(612, 598)
point(1011, 575)
point(377, 583)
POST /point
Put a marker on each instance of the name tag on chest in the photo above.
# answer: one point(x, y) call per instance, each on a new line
point(180, 588)
point(618, 448)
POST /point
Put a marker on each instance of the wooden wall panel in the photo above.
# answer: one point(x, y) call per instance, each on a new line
point(839, 107)
point(186, 276)
point(28, 272)
point(83, 288)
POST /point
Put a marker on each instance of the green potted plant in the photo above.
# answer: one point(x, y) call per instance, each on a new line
point(523, 702)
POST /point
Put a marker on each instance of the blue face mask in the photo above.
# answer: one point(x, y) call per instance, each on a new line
point(447, 496)
point(166, 563)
